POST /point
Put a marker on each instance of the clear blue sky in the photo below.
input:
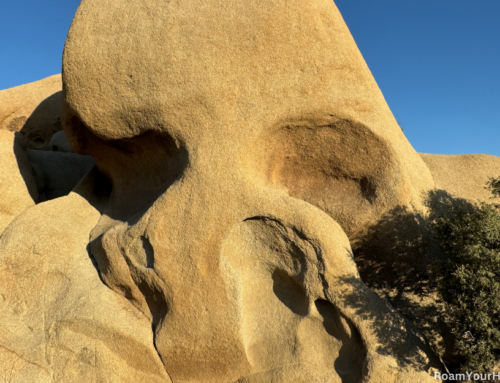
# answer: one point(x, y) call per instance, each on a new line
point(436, 61)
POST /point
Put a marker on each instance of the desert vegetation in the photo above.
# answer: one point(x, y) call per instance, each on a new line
point(469, 281)
point(442, 272)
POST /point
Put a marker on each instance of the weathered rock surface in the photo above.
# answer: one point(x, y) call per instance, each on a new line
point(34, 110)
point(286, 82)
point(59, 323)
point(30, 176)
point(223, 127)
point(464, 176)
point(241, 142)
point(18, 189)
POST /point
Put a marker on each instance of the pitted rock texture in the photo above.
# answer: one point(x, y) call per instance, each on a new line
point(256, 73)
point(237, 145)
point(34, 110)
point(213, 114)
point(59, 323)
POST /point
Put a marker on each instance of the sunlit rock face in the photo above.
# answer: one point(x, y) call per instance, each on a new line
point(34, 110)
point(18, 189)
point(236, 144)
point(280, 91)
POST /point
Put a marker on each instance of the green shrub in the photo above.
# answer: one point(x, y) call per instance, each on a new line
point(469, 282)
point(494, 185)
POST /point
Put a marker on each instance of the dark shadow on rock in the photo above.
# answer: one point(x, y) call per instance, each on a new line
point(95, 188)
point(396, 258)
point(397, 336)
point(140, 168)
point(43, 123)
point(57, 173)
point(352, 355)
point(25, 168)
point(290, 292)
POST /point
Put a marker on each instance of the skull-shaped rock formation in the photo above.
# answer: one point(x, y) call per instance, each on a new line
point(280, 93)
point(240, 140)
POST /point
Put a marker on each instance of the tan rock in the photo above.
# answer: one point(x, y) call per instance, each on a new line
point(18, 189)
point(464, 176)
point(58, 322)
point(286, 84)
point(34, 110)
point(223, 126)
point(234, 136)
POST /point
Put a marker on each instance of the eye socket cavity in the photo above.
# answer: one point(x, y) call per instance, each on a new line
point(338, 165)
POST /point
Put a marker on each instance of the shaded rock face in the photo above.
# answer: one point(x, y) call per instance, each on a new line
point(59, 143)
point(57, 173)
point(34, 110)
point(31, 176)
point(236, 144)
